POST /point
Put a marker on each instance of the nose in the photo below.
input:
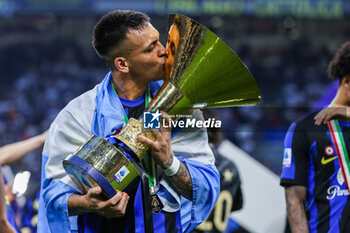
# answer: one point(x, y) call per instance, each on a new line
point(162, 51)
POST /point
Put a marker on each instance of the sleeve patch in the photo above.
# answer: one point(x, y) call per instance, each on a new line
point(287, 157)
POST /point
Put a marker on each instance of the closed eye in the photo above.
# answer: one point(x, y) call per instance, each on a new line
point(151, 47)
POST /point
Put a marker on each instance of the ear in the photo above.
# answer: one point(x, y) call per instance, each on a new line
point(122, 64)
point(346, 81)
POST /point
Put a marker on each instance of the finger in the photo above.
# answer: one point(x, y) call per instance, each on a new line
point(96, 191)
point(157, 132)
point(323, 119)
point(327, 114)
point(319, 118)
point(146, 141)
point(321, 115)
point(115, 199)
point(327, 118)
point(126, 204)
point(122, 203)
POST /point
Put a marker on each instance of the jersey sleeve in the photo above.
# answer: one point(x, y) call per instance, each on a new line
point(295, 157)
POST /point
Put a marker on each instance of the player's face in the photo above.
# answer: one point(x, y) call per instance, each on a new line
point(171, 47)
point(147, 55)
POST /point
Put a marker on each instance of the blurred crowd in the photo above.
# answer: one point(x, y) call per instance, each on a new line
point(40, 88)
point(44, 64)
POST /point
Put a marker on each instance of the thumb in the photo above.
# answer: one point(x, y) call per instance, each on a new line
point(145, 140)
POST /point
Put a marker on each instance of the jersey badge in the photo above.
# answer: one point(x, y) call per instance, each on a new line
point(340, 177)
point(329, 151)
point(287, 157)
point(227, 175)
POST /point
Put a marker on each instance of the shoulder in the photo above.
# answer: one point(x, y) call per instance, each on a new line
point(74, 121)
point(304, 132)
point(80, 107)
point(305, 123)
point(84, 102)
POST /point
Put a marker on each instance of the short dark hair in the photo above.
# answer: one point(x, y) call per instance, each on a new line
point(340, 64)
point(110, 31)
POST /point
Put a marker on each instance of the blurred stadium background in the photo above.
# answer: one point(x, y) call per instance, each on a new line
point(46, 59)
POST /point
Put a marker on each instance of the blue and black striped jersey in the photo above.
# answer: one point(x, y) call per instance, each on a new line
point(310, 160)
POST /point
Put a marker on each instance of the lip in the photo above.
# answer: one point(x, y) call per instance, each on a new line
point(163, 62)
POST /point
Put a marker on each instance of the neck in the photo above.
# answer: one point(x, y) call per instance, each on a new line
point(126, 87)
point(341, 97)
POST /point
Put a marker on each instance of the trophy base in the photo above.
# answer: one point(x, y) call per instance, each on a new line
point(86, 176)
point(99, 163)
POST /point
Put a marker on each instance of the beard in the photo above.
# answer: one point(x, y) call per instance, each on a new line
point(160, 74)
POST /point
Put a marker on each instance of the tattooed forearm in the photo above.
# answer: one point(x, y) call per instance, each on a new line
point(168, 163)
point(295, 209)
point(182, 181)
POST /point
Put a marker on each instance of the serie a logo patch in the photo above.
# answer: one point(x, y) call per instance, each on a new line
point(121, 174)
point(287, 157)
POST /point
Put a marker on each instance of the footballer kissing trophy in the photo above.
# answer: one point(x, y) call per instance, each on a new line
point(201, 72)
